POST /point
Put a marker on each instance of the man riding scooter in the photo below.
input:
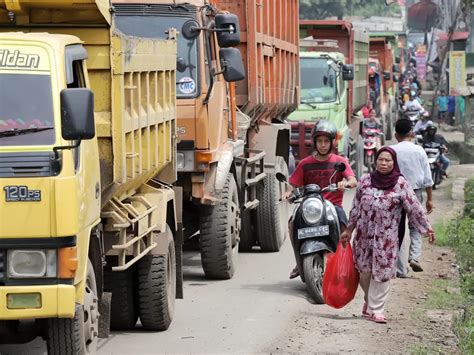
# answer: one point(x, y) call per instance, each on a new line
point(318, 168)
point(430, 136)
point(413, 109)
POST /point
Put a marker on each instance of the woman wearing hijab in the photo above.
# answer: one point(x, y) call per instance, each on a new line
point(376, 211)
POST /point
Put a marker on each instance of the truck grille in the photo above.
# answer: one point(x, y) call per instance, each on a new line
point(28, 164)
point(3, 265)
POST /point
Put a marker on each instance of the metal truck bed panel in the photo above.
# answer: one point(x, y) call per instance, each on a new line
point(354, 44)
point(381, 49)
point(133, 80)
point(269, 47)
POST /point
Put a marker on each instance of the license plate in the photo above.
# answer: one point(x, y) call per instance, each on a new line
point(311, 232)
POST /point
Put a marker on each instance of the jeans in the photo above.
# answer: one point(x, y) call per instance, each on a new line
point(444, 162)
point(415, 240)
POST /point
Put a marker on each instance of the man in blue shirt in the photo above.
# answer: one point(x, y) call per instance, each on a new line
point(442, 103)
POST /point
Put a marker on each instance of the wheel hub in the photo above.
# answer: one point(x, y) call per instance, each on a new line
point(91, 313)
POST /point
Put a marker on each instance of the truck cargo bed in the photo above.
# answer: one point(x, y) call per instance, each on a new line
point(269, 47)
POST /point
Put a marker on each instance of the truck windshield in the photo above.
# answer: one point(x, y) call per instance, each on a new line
point(157, 27)
point(318, 81)
point(26, 110)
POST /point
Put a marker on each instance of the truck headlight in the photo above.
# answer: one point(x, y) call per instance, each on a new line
point(312, 210)
point(180, 161)
point(32, 263)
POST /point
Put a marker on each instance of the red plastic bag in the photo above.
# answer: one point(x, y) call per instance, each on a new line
point(341, 278)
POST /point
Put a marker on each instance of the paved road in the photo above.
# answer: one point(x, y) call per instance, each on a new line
point(245, 314)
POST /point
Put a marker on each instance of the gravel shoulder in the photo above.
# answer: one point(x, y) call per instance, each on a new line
point(414, 321)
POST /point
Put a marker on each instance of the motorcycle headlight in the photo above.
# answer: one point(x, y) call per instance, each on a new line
point(312, 210)
point(32, 263)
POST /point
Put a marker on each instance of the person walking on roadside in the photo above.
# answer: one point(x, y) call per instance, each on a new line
point(415, 168)
point(375, 215)
point(318, 168)
point(442, 104)
point(451, 110)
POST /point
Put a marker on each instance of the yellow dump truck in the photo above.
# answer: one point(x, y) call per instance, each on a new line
point(87, 158)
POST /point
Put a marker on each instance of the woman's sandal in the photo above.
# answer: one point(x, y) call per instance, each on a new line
point(365, 314)
point(294, 273)
point(378, 318)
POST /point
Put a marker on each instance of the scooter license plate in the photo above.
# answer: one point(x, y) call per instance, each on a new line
point(311, 232)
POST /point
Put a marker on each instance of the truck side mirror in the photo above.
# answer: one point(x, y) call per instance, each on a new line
point(387, 76)
point(190, 30)
point(77, 114)
point(232, 64)
point(347, 72)
point(228, 30)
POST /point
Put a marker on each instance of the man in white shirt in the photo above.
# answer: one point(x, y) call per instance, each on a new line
point(422, 124)
point(415, 167)
point(413, 104)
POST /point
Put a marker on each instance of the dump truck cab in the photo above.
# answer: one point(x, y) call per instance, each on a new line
point(87, 159)
point(324, 93)
point(43, 158)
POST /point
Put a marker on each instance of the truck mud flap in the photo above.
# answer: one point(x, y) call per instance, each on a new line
point(252, 171)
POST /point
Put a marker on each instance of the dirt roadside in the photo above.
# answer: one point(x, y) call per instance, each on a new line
point(412, 326)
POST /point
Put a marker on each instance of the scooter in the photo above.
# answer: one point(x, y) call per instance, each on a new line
point(314, 231)
point(433, 151)
point(413, 116)
point(372, 143)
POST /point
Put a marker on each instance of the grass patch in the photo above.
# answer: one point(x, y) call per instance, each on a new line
point(448, 193)
point(458, 234)
point(440, 229)
point(426, 350)
point(440, 298)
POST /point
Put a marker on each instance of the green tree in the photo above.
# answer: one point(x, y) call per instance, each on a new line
point(321, 9)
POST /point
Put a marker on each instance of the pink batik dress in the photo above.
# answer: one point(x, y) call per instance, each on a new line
point(376, 215)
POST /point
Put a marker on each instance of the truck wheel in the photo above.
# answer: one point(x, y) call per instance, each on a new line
point(247, 237)
point(123, 313)
point(220, 229)
point(157, 288)
point(313, 269)
point(79, 334)
point(272, 212)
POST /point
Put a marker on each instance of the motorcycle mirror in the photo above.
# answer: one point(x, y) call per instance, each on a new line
point(340, 167)
point(281, 177)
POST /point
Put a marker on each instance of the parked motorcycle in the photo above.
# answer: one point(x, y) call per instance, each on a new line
point(314, 231)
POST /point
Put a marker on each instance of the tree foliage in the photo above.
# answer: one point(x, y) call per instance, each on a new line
point(321, 9)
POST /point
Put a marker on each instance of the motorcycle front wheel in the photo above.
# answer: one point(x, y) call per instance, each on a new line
point(313, 269)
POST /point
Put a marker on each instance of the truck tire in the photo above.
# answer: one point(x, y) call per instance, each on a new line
point(220, 229)
point(272, 212)
point(123, 315)
point(78, 335)
point(247, 236)
point(156, 275)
